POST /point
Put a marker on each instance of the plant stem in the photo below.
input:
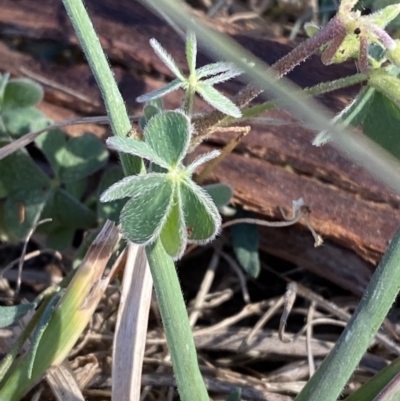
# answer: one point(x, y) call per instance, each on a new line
point(97, 60)
point(176, 325)
point(172, 307)
point(316, 90)
point(329, 380)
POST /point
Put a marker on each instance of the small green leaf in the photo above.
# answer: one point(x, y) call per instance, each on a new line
point(136, 148)
point(173, 234)
point(217, 100)
point(201, 215)
point(133, 185)
point(19, 171)
point(168, 133)
point(11, 314)
point(144, 215)
point(158, 103)
point(235, 395)
point(81, 157)
point(388, 84)
point(150, 111)
point(245, 241)
point(158, 93)
point(66, 211)
point(21, 121)
point(21, 92)
point(166, 58)
point(354, 114)
point(385, 15)
point(22, 210)
point(51, 143)
point(191, 52)
point(221, 194)
point(77, 188)
point(382, 123)
point(204, 158)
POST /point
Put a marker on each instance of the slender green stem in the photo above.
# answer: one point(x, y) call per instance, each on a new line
point(97, 60)
point(316, 90)
point(189, 100)
point(172, 307)
point(176, 325)
point(335, 371)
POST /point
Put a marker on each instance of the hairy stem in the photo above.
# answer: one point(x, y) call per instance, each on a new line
point(316, 90)
point(97, 60)
point(172, 307)
point(361, 329)
point(176, 325)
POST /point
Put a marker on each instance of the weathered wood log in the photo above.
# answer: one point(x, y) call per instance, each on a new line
point(273, 166)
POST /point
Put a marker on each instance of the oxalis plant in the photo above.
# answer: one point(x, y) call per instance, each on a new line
point(165, 208)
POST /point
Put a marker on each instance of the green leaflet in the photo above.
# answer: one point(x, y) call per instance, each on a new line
point(217, 100)
point(135, 147)
point(191, 52)
point(20, 121)
point(144, 215)
point(133, 185)
point(382, 123)
point(166, 58)
point(221, 194)
point(217, 72)
point(174, 234)
point(168, 134)
point(245, 242)
point(20, 93)
point(200, 213)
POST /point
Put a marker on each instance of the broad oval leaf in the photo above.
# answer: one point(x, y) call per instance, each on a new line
point(382, 123)
point(133, 185)
point(23, 209)
point(21, 92)
point(245, 241)
point(68, 212)
point(21, 121)
point(136, 148)
point(168, 133)
point(202, 218)
point(144, 215)
point(217, 100)
point(221, 194)
point(81, 157)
